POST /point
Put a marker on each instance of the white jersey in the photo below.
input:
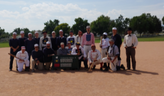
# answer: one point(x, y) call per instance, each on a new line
point(81, 51)
point(94, 55)
point(21, 55)
point(79, 39)
point(130, 40)
point(42, 42)
point(105, 43)
point(113, 51)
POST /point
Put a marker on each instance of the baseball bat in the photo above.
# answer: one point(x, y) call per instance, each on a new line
point(13, 56)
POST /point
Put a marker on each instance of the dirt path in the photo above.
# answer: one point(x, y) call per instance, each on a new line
point(146, 81)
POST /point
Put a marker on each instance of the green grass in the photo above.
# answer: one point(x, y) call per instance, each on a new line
point(159, 38)
point(5, 44)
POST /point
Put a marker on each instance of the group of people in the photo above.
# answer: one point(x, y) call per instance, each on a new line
point(83, 45)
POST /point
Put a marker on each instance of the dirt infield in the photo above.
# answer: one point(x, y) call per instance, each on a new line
point(147, 80)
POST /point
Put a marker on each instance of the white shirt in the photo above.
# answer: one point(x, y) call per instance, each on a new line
point(113, 51)
point(94, 55)
point(74, 52)
point(78, 39)
point(105, 43)
point(41, 42)
point(21, 55)
point(130, 40)
point(72, 40)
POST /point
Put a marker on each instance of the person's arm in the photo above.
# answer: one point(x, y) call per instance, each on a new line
point(17, 55)
point(89, 57)
point(40, 43)
point(76, 39)
point(73, 52)
point(135, 41)
point(82, 44)
point(93, 39)
point(26, 57)
point(120, 40)
point(49, 39)
point(125, 41)
point(84, 54)
point(99, 55)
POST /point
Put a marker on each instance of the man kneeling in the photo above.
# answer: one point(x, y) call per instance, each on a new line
point(94, 57)
point(22, 58)
point(80, 52)
point(37, 56)
point(112, 55)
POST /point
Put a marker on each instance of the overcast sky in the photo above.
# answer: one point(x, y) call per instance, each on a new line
point(33, 14)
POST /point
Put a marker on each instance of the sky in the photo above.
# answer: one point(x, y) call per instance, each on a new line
point(33, 14)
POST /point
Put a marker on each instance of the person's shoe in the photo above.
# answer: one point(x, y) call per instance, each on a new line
point(10, 69)
point(134, 69)
point(101, 69)
point(94, 67)
point(122, 66)
point(33, 70)
point(128, 69)
point(106, 69)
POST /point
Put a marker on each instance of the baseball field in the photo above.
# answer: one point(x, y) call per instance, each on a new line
point(147, 80)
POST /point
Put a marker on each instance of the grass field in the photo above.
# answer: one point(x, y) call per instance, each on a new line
point(159, 38)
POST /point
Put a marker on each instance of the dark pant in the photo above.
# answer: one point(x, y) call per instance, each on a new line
point(130, 53)
point(85, 62)
point(11, 60)
point(29, 57)
point(119, 58)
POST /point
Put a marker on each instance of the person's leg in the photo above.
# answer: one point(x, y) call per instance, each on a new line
point(11, 62)
point(85, 63)
point(80, 63)
point(33, 64)
point(133, 58)
point(114, 64)
point(48, 65)
point(128, 57)
point(20, 66)
point(40, 66)
point(29, 55)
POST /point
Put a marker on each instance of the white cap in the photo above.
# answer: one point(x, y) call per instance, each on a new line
point(54, 31)
point(114, 28)
point(105, 33)
point(29, 33)
point(61, 43)
point(88, 27)
point(22, 32)
point(60, 30)
point(47, 42)
point(14, 33)
point(23, 47)
point(36, 32)
point(36, 45)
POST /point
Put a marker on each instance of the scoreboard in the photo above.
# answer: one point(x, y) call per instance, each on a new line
point(65, 61)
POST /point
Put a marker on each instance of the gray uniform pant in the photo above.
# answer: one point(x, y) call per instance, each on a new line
point(130, 53)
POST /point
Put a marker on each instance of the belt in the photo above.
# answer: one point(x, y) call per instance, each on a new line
point(87, 45)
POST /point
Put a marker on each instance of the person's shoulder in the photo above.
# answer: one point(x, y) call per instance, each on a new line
point(134, 35)
point(97, 50)
point(19, 52)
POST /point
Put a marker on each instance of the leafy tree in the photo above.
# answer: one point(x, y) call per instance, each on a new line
point(102, 24)
point(50, 25)
point(80, 25)
point(163, 19)
point(65, 27)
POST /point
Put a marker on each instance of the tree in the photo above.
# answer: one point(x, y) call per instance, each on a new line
point(102, 24)
point(64, 26)
point(50, 25)
point(163, 19)
point(26, 31)
point(80, 25)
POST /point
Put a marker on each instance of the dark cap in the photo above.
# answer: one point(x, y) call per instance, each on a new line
point(71, 31)
point(44, 32)
point(77, 43)
point(129, 29)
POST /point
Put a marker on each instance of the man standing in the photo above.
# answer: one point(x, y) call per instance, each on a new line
point(14, 46)
point(71, 39)
point(130, 44)
point(54, 42)
point(22, 39)
point(37, 58)
point(94, 57)
point(80, 52)
point(36, 39)
point(79, 37)
point(48, 53)
point(22, 58)
point(61, 38)
point(117, 41)
point(112, 56)
point(104, 44)
point(43, 40)
point(62, 50)
point(29, 44)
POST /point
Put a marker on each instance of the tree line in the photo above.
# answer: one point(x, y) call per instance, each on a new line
point(143, 24)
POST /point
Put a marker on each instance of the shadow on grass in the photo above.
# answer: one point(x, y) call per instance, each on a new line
point(58, 71)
